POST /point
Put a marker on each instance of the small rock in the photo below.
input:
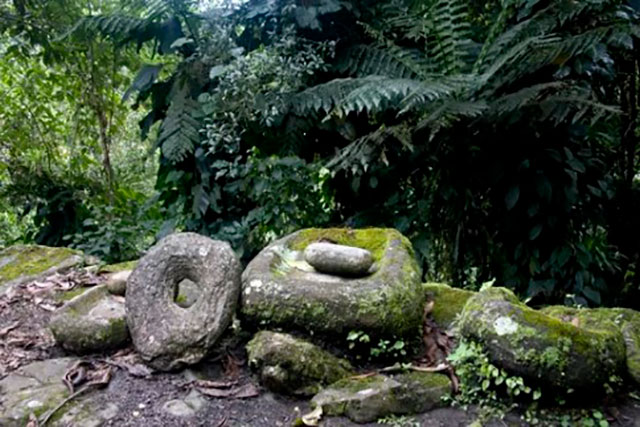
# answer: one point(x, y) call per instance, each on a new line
point(166, 335)
point(117, 282)
point(293, 366)
point(365, 400)
point(91, 322)
point(178, 408)
point(340, 260)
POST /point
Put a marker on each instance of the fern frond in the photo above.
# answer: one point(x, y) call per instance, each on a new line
point(180, 130)
point(391, 61)
point(369, 149)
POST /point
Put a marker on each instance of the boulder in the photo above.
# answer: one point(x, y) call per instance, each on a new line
point(339, 260)
point(448, 302)
point(289, 365)
point(367, 399)
point(531, 344)
point(279, 288)
point(121, 266)
point(93, 321)
point(623, 320)
point(37, 388)
point(166, 335)
point(24, 263)
point(117, 282)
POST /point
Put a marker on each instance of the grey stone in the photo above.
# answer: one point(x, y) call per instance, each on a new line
point(365, 400)
point(188, 293)
point(91, 322)
point(187, 407)
point(117, 282)
point(24, 263)
point(166, 335)
point(531, 344)
point(37, 388)
point(290, 365)
point(340, 260)
point(280, 289)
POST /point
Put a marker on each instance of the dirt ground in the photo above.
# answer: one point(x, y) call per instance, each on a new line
point(24, 338)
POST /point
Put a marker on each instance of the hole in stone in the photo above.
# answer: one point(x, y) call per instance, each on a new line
point(186, 293)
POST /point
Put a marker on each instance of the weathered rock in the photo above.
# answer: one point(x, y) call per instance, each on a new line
point(623, 320)
point(186, 407)
point(448, 302)
point(91, 322)
point(340, 260)
point(37, 388)
point(365, 400)
point(188, 293)
point(117, 282)
point(166, 335)
point(534, 345)
point(293, 366)
point(25, 263)
point(279, 288)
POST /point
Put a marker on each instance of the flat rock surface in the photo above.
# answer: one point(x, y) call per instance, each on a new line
point(23, 263)
point(91, 322)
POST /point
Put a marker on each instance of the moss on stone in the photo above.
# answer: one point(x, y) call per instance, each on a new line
point(303, 367)
point(372, 239)
point(69, 295)
point(122, 266)
point(30, 260)
point(621, 320)
point(534, 344)
point(448, 302)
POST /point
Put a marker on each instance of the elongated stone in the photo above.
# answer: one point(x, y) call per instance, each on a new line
point(340, 260)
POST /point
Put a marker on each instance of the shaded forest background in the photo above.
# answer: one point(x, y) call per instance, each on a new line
point(500, 136)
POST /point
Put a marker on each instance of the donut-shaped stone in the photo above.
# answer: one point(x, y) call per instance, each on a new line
point(166, 335)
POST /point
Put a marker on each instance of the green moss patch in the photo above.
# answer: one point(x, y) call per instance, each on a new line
point(448, 302)
point(122, 266)
point(31, 260)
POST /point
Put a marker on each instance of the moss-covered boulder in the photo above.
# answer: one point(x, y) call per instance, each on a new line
point(290, 365)
point(623, 320)
point(531, 344)
point(448, 302)
point(367, 399)
point(91, 322)
point(25, 263)
point(37, 388)
point(280, 288)
point(121, 266)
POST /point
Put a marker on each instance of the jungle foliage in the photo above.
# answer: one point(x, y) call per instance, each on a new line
point(501, 137)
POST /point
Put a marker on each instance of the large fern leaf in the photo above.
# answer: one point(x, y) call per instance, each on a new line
point(180, 130)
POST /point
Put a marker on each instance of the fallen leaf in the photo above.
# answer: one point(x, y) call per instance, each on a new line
point(313, 417)
point(215, 384)
point(241, 392)
point(363, 376)
point(4, 331)
point(575, 322)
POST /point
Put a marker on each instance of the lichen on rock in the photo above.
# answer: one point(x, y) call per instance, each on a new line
point(531, 344)
point(290, 365)
point(280, 289)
